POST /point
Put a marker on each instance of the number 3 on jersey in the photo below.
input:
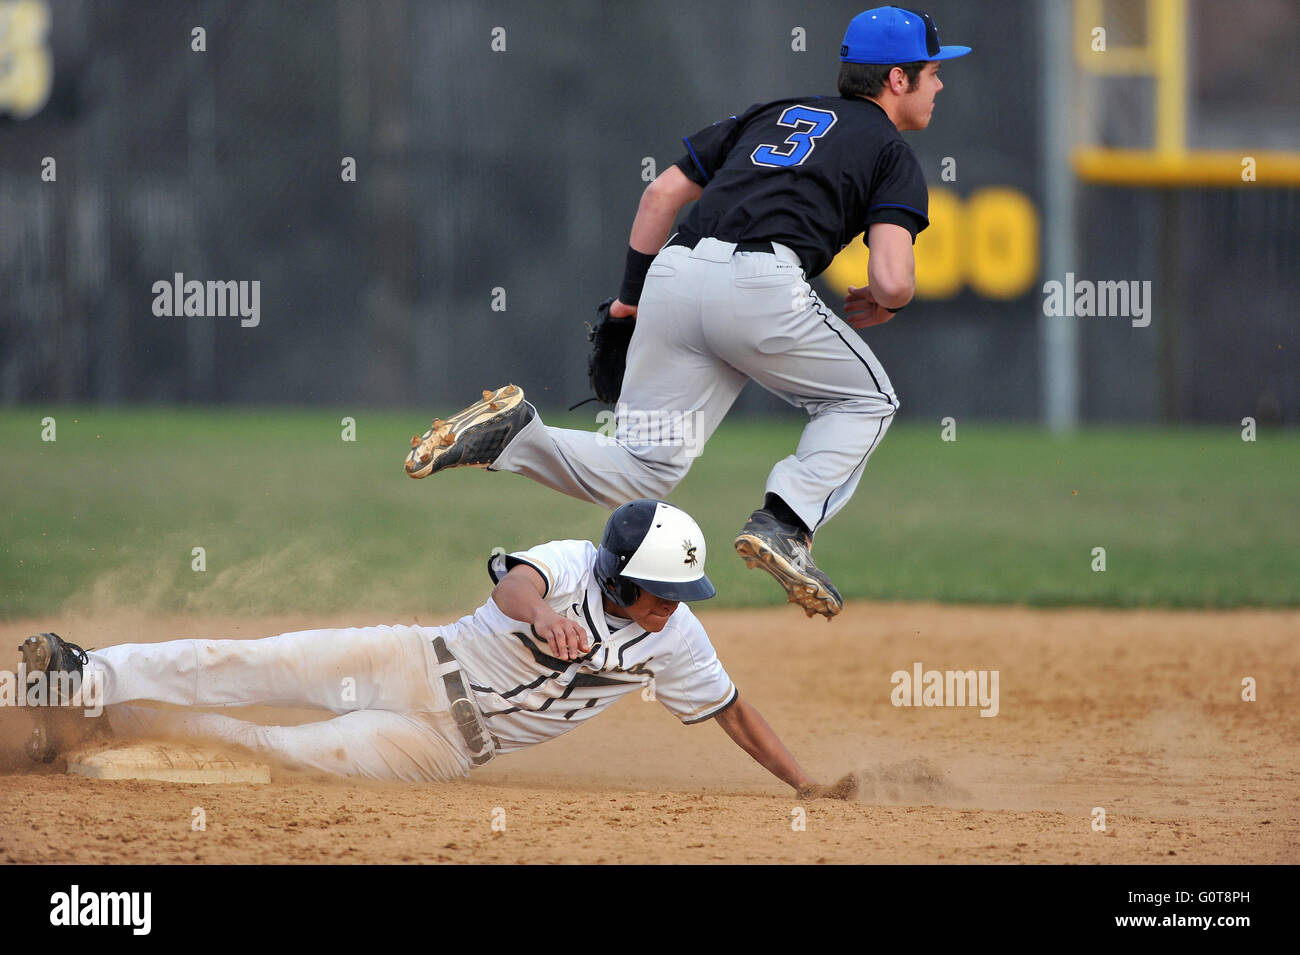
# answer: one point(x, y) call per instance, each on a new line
point(809, 125)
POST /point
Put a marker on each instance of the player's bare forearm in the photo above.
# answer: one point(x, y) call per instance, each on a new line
point(747, 728)
point(660, 203)
point(519, 597)
point(891, 268)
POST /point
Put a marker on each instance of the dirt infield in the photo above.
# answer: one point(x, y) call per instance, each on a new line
point(1139, 714)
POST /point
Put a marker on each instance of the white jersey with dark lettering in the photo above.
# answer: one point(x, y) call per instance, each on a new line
point(528, 696)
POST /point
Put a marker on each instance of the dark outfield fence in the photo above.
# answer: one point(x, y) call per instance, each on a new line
point(499, 151)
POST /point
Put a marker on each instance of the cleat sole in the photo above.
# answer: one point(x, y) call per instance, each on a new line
point(443, 433)
point(809, 595)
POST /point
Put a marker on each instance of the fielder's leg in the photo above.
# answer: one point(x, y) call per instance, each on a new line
point(780, 334)
point(676, 391)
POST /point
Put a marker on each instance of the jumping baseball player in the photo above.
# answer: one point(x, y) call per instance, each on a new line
point(569, 629)
point(724, 297)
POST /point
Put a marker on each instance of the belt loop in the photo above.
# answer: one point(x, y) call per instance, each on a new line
point(786, 254)
point(713, 250)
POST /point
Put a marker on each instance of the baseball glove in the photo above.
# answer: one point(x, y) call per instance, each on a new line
point(609, 339)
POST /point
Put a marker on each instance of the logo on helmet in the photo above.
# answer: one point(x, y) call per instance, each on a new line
point(691, 560)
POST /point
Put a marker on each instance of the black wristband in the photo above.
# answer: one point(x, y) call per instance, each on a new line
point(638, 263)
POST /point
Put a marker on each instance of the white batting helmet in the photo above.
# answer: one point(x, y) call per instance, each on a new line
point(656, 547)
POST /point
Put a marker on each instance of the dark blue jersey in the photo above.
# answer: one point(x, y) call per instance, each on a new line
point(808, 173)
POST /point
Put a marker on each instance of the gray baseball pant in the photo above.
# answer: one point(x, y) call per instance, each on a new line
point(709, 319)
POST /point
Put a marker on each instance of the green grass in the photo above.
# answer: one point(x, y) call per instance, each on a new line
point(292, 518)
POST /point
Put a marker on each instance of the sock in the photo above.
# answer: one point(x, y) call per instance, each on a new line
point(781, 511)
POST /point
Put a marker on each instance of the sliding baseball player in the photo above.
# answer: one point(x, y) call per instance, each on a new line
point(570, 628)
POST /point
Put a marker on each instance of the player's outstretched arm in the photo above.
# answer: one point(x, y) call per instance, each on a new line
point(746, 726)
point(519, 597)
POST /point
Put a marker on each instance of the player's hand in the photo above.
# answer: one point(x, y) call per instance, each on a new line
point(618, 310)
point(567, 640)
point(861, 310)
point(845, 788)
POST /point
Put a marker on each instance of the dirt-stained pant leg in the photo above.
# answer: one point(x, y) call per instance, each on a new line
point(371, 744)
point(356, 668)
point(384, 680)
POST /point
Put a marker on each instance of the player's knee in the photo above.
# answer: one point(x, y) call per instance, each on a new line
point(872, 406)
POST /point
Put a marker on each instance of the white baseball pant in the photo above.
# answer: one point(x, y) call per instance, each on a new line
point(384, 682)
point(710, 318)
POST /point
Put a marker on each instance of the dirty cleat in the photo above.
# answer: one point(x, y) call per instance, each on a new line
point(49, 653)
point(785, 552)
point(472, 438)
point(58, 722)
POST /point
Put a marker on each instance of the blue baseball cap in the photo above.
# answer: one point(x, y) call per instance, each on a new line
point(889, 35)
